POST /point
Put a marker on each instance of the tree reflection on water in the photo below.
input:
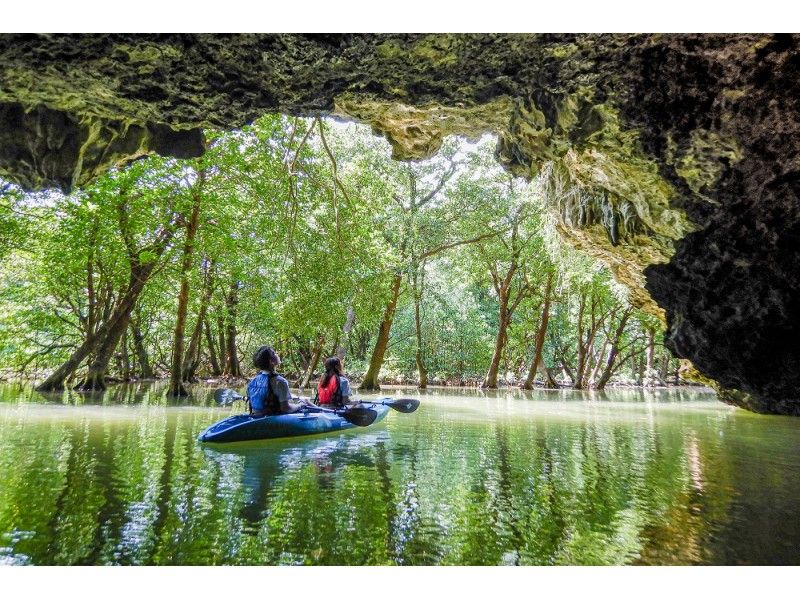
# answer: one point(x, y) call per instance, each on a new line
point(120, 478)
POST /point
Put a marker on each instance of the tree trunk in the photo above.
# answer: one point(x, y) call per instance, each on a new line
point(126, 361)
point(312, 364)
point(607, 371)
point(499, 345)
point(423, 371)
point(565, 369)
point(505, 311)
point(216, 370)
point(232, 367)
point(95, 374)
point(609, 368)
point(191, 360)
point(105, 341)
point(651, 377)
point(222, 349)
point(651, 349)
point(370, 381)
point(640, 370)
point(598, 362)
point(664, 367)
point(55, 381)
point(585, 347)
point(540, 334)
point(145, 370)
point(580, 370)
point(341, 348)
point(549, 378)
point(176, 388)
point(614, 352)
point(91, 296)
point(581, 354)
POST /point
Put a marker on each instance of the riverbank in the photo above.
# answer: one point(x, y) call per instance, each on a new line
point(396, 382)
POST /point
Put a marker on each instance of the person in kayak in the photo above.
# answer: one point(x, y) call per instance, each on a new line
point(333, 389)
point(269, 392)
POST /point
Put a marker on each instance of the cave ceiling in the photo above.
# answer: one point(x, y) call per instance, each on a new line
point(672, 158)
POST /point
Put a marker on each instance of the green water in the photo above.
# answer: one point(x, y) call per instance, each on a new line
point(669, 477)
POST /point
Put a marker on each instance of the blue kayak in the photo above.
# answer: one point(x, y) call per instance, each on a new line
point(302, 423)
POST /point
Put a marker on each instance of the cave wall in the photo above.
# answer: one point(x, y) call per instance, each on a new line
point(731, 290)
point(673, 158)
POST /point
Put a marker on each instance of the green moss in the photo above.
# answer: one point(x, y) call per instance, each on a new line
point(703, 162)
point(148, 52)
point(436, 50)
point(389, 49)
point(418, 131)
point(561, 50)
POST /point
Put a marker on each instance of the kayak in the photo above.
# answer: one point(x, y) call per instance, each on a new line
point(302, 423)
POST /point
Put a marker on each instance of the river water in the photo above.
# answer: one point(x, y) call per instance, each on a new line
point(511, 478)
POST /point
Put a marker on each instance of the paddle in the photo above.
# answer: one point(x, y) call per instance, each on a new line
point(401, 405)
point(226, 396)
point(358, 416)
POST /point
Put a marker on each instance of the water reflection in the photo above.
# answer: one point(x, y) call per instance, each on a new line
point(263, 465)
point(506, 477)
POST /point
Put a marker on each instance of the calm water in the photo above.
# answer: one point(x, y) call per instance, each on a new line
point(470, 478)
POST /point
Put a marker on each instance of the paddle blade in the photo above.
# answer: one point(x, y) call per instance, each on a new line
point(359, 416)
point(226, 396)
point(403, 405)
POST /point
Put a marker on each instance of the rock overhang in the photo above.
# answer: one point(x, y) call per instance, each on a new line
point(673, 158)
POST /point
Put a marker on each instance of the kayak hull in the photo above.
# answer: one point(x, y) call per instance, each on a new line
point(245, 427)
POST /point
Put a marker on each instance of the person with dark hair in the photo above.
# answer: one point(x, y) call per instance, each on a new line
point(268, 392)
point(333, 389)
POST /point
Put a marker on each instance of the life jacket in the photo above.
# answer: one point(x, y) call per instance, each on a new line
point(272, 405)
point(331, 394)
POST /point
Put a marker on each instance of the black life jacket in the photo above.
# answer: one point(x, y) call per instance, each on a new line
point(338, 399)
point(272, 406)
point(271, 403)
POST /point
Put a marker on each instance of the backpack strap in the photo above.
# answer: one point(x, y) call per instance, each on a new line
point(338, 399)
point(271, 400)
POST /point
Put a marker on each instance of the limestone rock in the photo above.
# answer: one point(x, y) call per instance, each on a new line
point(673, 158)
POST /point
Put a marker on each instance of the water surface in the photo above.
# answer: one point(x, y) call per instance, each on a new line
point(624, 477)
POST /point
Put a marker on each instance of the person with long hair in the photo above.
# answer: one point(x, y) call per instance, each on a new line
point(333, 389)
point(268, 392)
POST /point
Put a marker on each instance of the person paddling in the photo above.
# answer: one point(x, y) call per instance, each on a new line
point(333, 389)
point(268, 392)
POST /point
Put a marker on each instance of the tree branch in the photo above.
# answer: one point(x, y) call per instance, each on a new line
point(442, 182)
point(333, 161)
point(399, 202)
point(300, 147)
point(446, 246)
